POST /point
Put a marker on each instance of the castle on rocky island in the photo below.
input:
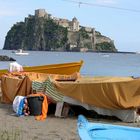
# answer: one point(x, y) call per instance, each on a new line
point(77, 37)
point(73, 26)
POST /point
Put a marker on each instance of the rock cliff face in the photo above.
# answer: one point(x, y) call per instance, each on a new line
point(36, 34)
point(43, 34)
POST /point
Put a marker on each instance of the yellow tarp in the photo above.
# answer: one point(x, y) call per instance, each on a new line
point(105, 92)
point(13, 84)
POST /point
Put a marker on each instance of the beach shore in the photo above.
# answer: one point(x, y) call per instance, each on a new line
point(53, 128)
point(21, 128)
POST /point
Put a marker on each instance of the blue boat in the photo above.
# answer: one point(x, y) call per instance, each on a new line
point(98, 131)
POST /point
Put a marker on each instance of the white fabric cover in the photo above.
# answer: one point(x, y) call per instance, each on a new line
point(128, 115)
point(15, 67)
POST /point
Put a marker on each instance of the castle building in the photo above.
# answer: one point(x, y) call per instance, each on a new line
point(40, 13)
point(70, 25)
point(74, 24)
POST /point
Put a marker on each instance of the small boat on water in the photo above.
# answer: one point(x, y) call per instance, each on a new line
point(98, 131)
point(20, 52)
point(62, 68)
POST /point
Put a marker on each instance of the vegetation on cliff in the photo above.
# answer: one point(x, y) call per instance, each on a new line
point(36, 34)
point(105, 46)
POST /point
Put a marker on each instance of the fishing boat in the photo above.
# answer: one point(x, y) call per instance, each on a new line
point(21, 52)
point(99, 131)
point(62, 68)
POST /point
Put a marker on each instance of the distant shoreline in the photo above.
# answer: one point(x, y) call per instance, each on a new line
point(114, 52)
point(124, 52)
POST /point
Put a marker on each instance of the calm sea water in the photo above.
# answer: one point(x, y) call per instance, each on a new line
point(95, 64)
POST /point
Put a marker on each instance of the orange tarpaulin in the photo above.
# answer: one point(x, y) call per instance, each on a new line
point(105, 92)
point(20, 83)
point(14, 84)
point(11, 87)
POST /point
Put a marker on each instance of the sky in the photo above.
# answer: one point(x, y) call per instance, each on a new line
point(121, 23)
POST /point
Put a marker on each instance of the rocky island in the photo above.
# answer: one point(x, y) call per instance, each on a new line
point(6, 58)
point(43, 32)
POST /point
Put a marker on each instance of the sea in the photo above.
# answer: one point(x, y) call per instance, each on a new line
point(95, 64)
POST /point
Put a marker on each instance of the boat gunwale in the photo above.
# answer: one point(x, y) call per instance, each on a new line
point(51, 66)
point(47, 67)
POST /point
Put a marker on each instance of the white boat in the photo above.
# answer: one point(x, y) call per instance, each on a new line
point(21, 52)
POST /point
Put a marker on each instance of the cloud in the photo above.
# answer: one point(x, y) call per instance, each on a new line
point(106, 1)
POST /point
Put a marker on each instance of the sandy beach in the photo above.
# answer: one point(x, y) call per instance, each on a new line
point(21, 128)
point(53, 128)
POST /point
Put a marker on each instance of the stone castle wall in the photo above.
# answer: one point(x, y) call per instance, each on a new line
point(73, 27)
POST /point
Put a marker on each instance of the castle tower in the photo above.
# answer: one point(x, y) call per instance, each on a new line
point(75, 24)
point(40, 13)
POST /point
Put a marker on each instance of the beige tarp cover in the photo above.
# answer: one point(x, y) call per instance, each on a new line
point(105, 92)
point(13, 84)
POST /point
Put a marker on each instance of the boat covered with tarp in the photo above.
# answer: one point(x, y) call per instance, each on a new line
point(111, 96)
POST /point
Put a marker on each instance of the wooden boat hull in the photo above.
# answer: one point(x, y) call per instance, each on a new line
point(98, 131)
point(62, 68)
